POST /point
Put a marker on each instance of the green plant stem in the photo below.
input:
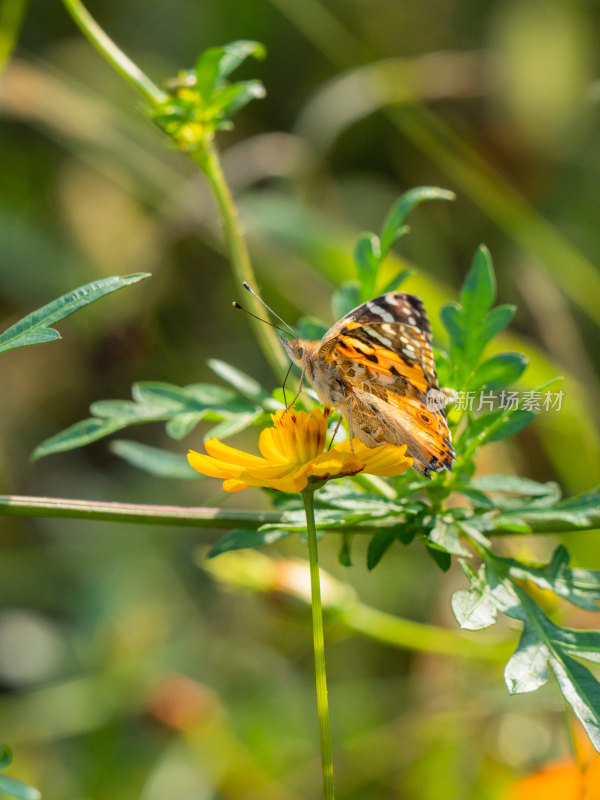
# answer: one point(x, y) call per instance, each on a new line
point(208, 160)
point(319, 646)
point(114, 55)
point(185, 516)
point(11, 18)
point(15, 505)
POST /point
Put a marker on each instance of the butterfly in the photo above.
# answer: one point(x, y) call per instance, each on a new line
point(376, 368)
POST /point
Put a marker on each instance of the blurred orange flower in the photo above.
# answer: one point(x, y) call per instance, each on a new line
point(293, 451)
point(561, 780)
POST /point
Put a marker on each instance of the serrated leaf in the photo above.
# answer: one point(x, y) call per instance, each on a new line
point(474, 608)
point(18, 789)
point(396, 218)
point(35, 327)
point(446, 536)
point(497, 372)
point(479, 287)
point(527, 668)
point(345, 299)
point(582, 691)
point(245, 539)
point(379, 545)
point(243, 383)
point(513, 484)
point(154, 460)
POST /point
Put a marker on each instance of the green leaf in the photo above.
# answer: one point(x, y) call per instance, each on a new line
point(498, 371)
point(35, 327)
point(311, 328)
point(580, 587)
point(179, 426)
point(345, 554)
point(229, 103)
point(345, 299)
point(243, 383)
point(245, 539)
point(446, 536)
point(479, 288)
point(233, 425)
point(379, 545)
point(77, 435)
point(5, 757)
point(442, 558)
point(394, 222)
point(18, 789)
point(498, 425)
point(396, 282)
point(513, 484)
point(474, 608)
point(207, 71)
point(235, 53)
point(154, 460)
point(367, 255)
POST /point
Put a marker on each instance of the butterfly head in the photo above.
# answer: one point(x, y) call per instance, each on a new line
point(299, 350)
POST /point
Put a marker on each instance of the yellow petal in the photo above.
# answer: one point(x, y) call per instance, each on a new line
point(231, 455)
point(271, 445)
point(234, 485)
point(212, 467)
point(335, 463)
point(289, 480)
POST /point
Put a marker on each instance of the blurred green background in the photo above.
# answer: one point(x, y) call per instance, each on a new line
point(126, 670)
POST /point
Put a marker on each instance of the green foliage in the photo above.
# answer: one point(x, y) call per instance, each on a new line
point(11, 787)
point(36, 328)
point(407, 508)
point(372, 250)
point(202, 101)
point(182, 408)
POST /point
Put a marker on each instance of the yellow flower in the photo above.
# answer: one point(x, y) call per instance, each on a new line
point(293, 451)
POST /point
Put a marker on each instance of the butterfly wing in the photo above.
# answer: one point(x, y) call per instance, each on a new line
point(382, 350)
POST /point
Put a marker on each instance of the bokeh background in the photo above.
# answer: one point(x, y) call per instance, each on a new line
point(129, 670)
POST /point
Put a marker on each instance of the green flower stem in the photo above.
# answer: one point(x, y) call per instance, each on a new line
point(208, 161)
point(114, 55)
point(319, 646)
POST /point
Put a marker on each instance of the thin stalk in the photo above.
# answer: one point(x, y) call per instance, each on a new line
point(67, 508)
point(319, 646)
point(11, 18)
point(15, 505)
point(114, 55)
point(208, 160)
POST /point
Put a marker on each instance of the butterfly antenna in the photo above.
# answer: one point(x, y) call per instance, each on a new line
point(235, 304)
point(260, 300)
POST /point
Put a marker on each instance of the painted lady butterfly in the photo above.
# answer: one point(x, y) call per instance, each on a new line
point(375, 366)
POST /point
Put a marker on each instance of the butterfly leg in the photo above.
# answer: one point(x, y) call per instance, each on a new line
point(297, 395)
point(350, 424)
point(337, 427)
